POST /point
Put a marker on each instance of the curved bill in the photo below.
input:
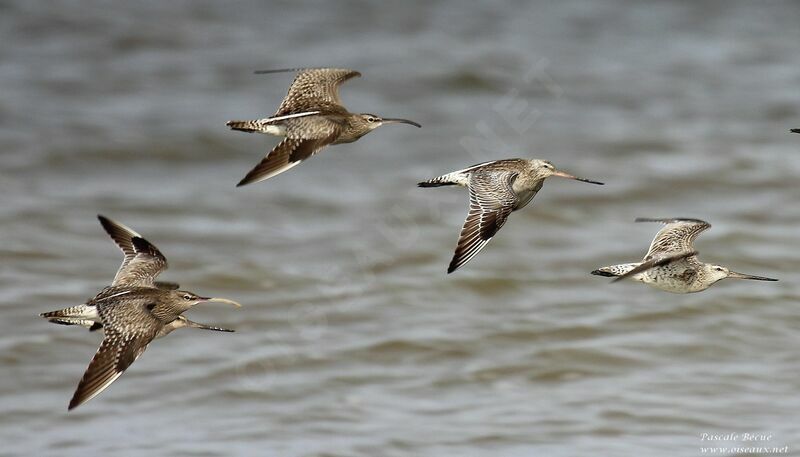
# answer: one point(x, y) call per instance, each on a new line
point(221, 300)
point(736, 275)
point(396, 120)
point(569, 176)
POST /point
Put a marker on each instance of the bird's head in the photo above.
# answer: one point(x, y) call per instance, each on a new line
point(185, 300)
point(546, 169)
point(715, 273)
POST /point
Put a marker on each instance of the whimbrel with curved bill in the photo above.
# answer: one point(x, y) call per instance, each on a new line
point(496, 189)
point(133, 311)
point(310, 117)
point(671, 263)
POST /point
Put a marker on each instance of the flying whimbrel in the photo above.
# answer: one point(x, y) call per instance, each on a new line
point(671, 263)
point(132, 312)
point(496, 189)
point(310, 117)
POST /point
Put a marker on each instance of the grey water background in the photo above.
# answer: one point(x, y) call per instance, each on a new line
point(352, 340)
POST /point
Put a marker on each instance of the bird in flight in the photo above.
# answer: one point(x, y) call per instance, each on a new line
point(496, 189)
point(133, 311)
point(310, 117)
point(671, 263)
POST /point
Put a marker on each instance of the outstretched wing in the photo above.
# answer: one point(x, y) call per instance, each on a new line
point(142, 262)
point(127, 334)
point(676, 237)
point(491, 200)
point(313, 87)
point(304, 137)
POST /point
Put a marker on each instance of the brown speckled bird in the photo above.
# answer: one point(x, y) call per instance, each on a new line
point(496, 189)
point(671, 263)
point(310, 117)
point(132, 312)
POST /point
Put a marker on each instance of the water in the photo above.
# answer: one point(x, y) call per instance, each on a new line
point(353, 341)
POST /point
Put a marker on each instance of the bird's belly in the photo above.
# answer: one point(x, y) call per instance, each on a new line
point(671, 281)
point(669, 287)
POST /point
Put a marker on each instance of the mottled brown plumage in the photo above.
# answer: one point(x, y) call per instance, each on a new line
point(671, 263)
point(132, 312)
point(310, 117)
point(496, 189)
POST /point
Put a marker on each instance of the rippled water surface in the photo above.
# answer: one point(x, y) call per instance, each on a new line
point(353, 341)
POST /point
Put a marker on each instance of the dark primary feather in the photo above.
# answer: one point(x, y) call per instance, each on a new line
point(142, 262)
point(121, 234)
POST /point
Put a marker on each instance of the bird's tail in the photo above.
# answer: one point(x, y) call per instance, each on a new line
point(83, 315)
point(245, 126)
point(66, 312)
point(615, 270)
point(89, 324)
point(456, 178)
point(75, 312)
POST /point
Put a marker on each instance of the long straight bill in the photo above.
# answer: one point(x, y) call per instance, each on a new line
point(736, 275)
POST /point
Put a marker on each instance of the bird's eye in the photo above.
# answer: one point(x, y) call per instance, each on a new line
point(187, 297)
point(371, 119)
